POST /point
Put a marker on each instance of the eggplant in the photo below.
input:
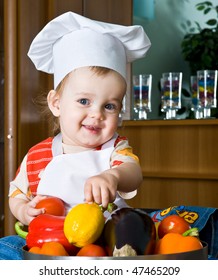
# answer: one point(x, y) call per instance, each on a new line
point(129, 232)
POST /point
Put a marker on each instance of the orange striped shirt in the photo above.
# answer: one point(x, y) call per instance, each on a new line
point(37, 159)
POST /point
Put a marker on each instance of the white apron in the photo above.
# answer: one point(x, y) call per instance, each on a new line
point(65, 175)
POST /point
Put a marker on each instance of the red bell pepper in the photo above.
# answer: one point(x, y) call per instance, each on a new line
point(46, 228)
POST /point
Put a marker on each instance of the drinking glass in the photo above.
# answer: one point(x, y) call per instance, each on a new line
point(207, 91)
point(198, 111)
point(171, 87)
point(142, 85)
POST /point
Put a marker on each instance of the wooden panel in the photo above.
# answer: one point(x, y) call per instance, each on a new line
point(180, 149)
point(178, 160)
point(1, 26)
point(1, 120)
point(161, 193)
point(10, 104)
point(113, 11)
point(32, 16)
point(57, 7)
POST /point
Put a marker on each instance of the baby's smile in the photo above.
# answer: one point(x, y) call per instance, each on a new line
point(92, 128)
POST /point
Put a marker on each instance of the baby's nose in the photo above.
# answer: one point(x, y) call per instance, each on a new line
point(97, 113)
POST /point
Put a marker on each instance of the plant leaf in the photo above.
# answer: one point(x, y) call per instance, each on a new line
point(206, 11)
point(211, 22)
point(200, 8)
point(188, 22)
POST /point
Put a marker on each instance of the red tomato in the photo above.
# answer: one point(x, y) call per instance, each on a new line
point(92, 250)
point(52, 206)
point(172, 223)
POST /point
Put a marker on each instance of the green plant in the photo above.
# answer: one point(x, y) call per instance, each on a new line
point(200, 46)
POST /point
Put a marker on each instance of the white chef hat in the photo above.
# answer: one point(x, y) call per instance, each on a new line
point(71, 41)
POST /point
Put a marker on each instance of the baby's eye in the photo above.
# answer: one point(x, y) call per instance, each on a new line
point(84, 101)
point(110, 106)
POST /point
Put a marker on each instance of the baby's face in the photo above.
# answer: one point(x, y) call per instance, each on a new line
point(89, 107)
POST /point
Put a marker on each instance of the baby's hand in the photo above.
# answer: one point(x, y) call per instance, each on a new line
point(101, 189)
point(30, 212)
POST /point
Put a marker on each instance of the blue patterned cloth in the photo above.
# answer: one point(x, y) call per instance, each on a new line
point(11, 247)
point(204, 218)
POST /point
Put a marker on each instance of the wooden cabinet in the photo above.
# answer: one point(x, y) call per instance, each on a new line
point(23, 123)
point(179, 160)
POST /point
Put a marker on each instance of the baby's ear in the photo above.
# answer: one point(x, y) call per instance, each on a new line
point(53, 99)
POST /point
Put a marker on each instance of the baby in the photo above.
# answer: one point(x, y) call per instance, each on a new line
point(86, 160)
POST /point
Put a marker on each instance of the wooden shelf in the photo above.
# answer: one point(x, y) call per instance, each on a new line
point(188, 122)
point(191, 176)
point(179, 161)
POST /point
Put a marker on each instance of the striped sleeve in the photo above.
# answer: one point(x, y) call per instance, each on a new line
point(28, 174)
point(19, 187)
point(122, 152)
point(38, 158)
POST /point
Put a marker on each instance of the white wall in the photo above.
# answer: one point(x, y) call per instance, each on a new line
point(166, 33)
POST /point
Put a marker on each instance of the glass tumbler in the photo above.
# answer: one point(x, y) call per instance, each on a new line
point(195, 107)
point(171, 87)
point(142, 85)
point(207, 91)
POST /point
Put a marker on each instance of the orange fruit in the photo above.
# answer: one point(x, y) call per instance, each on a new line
point(84, 224)
point(173, 243)
point(35, 250)
point(53, 248)
point(92, 250)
